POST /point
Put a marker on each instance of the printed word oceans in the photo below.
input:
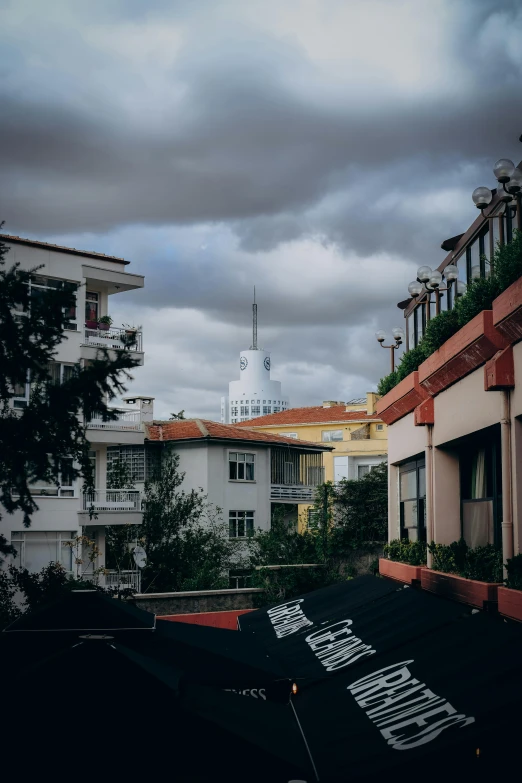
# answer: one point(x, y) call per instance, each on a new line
point(336, 646)
point(405, 710)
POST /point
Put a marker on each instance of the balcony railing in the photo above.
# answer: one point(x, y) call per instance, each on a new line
point(294, 492)
point(127, 420)
point(116, 500)
point(124, 580)
point(114, 338)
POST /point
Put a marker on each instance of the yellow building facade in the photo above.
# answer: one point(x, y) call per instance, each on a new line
point(357, 435)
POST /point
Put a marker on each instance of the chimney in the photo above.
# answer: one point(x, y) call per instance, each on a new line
point(371, 401)
point(331, 403)
point(145, 406)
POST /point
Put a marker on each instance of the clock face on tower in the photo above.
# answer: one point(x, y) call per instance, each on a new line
point(267, 363)
point(243, 363)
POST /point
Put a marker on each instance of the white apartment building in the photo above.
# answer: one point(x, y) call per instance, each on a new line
point(63, 510)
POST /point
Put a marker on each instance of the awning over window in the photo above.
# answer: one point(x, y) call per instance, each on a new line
point(396, 679)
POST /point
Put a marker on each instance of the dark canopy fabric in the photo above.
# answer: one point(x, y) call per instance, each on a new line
point(101, 709)
point(404, 682)
point(85, 611)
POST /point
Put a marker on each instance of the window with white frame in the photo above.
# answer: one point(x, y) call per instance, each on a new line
point(131, 456)
point(241, 466)
point(255, 410)
point(312, 519)
point(240, 524)
point(293, 435)
point(328, 436)
point(36, 549)
point(60, 373)
point(234, 411)
point(64, 487)
point(21, 394)
point(244, 410)
point(38, 285)
point(92, 307)
point(363, 470)
point(267, 409)
point(379, 427)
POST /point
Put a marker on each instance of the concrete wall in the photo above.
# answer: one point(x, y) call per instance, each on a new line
point(197, 601)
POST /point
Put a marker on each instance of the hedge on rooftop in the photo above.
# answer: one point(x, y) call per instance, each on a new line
point(506, 267)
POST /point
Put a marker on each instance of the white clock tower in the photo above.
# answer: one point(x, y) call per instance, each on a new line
point(254, 394)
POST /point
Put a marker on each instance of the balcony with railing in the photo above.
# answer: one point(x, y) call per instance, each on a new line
point(112, 338)
point(123, 580)
point(111, 507)
point(295, 474)
point(126, 420)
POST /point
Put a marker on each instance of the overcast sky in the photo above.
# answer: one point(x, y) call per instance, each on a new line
point(320, 150)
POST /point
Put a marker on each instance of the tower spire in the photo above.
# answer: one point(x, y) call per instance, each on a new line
point(254, 323)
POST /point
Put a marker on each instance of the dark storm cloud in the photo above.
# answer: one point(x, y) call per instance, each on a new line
point(241, 146)
point(218, 145)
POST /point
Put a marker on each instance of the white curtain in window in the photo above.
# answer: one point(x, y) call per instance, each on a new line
point(477, 523)
point(478, 475)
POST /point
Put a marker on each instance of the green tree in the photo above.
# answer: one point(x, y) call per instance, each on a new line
point(50, 429)
point(361, 506)
point(183, 535)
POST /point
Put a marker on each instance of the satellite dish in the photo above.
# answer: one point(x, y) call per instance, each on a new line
point(140, 556)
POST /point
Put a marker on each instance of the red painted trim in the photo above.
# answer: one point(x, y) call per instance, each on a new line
point(401, 400)
point(214, 619)
point(510, 603)
point(402, 572)
point(499, 372)
point(507, 312)
point(467, 591)
point(468, 349)
point(424, 413)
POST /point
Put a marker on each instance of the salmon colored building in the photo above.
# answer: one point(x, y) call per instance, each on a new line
point(455, 425)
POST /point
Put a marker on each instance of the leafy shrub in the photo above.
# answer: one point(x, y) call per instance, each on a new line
point(507, 263)
point(483, 563)
point(411, 361)
point(387, 383)
point(514, 572)
point(404, 551)
point(440, 329)
point(285, 582)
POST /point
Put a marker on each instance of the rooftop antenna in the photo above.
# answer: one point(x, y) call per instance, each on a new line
point(254, 323)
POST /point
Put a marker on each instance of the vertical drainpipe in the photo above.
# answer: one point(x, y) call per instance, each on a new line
point(429, 493)
point(507, 500)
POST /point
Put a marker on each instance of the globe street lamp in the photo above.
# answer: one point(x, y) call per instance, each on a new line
point(430, 281)
point(398, 335)
point(509, 190)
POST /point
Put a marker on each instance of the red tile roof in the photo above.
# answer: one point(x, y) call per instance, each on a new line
point(61, 248)
point(313, 415)
point(202, 429)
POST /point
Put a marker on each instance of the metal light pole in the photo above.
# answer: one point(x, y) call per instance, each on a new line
point(398, 334)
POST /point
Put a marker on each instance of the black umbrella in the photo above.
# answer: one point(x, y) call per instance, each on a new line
point(161, 678)
point(405, 682)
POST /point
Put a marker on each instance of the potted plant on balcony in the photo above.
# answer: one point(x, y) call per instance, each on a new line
point(91, 324)
point(104, 323)
point(510, 596)
point(403, 560)
point(471, 576)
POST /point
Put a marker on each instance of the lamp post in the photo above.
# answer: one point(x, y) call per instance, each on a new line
point(398, 335)
point(509, 190)
point(430, 281)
